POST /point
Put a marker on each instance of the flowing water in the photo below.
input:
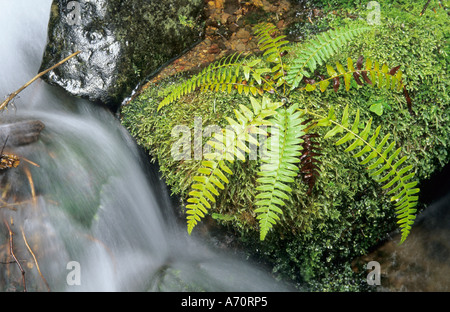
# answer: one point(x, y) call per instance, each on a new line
point(422, 262)
point(86, 215)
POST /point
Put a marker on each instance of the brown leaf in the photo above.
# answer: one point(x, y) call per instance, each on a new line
point(394, 70)
point(408, 101)
point(359, 62)
point(356, 75)
point(366, 78)
point(9, 161)
point(336, 84)
point(309, 171)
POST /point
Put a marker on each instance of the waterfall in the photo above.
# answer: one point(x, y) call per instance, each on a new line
point(84, 213)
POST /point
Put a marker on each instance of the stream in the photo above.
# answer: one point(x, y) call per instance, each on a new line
point(86, 212)
point(422, 262)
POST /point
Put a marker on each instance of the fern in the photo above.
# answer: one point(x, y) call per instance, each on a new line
point(309, 171)
point(274, 49)
point(319, 50)
point(373, 74)
point(211, 175)
point(382, 161)
point(214, 72)
point(231, 73)
point(291, 151)
point(279, 168)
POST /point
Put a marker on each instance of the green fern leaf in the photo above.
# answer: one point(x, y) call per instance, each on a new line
point(274, 49)
point(223, 75)
point(319, 50)
point(279, 166)
point(211, 176)
point(372, 74)
point(381, 160)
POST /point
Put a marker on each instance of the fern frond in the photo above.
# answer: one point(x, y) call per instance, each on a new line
point(309, 171)
point(230, 73)
point(319, 50)
point(381, 159)
point(228, 144)
point(279, 168)
point(219, 70)
point(373, 74)
point(274, 49)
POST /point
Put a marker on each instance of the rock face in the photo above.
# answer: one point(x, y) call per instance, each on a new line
point(122, 42)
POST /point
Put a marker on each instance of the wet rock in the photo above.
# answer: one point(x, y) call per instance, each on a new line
point(122, 42)
point(20, 132)
point(421, 263)
point(224, 18)
point(214, 49)
point(232, 6)
point(233, 27)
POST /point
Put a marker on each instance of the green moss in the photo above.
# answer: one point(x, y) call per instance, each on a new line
point(347, 212)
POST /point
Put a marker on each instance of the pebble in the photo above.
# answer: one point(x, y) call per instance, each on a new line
point(243, 34)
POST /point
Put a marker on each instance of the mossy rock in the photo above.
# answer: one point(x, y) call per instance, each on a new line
point(347, 212)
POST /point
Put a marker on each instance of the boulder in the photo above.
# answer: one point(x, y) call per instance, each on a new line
point(17, 133)
point(122, 43)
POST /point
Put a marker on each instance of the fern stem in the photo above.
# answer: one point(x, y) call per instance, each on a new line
point(267, 82)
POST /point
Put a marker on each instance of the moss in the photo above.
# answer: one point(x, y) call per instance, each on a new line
point(348, 212)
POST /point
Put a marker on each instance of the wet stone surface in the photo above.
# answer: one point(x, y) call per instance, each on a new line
point(121, 42)
point(17, 133)
point(421, 263)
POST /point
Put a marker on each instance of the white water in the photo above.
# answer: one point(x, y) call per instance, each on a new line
point(90, 170)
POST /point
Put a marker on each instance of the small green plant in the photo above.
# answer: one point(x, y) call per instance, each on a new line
point(186, 21)
point(272, 81)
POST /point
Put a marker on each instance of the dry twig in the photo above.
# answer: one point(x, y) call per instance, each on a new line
point(15, 93)
point(11, 251)
point(30, 181)
point(35, 260)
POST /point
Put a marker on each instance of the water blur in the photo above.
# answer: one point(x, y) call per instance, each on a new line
point(422, 262)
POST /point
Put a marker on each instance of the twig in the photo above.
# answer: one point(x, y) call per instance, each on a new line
point(8, 207)
point(425, 8)
point(35, 260)
point(30, 162)
point(11, 251)
point(30, 181)
point(4, 204)
point(14, 94)
point(105, 247)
